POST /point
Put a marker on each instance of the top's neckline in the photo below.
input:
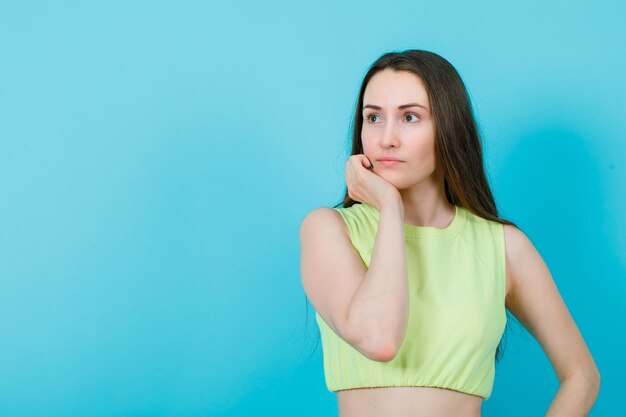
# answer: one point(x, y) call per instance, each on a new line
point(413, 231)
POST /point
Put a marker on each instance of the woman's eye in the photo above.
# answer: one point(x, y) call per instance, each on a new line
point(371, 117)
point(414, 115)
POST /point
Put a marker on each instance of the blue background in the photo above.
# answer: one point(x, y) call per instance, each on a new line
point(157, 158)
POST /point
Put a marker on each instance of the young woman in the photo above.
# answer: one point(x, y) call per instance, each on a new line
point(412, 277)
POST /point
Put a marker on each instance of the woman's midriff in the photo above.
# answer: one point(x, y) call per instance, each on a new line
point(407, 402)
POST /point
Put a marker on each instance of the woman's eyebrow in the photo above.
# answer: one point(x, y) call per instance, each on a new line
point(404, 106)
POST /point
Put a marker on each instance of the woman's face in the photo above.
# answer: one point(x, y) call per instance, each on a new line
point(397, 123)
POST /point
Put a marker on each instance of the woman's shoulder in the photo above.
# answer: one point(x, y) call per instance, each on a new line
point(358, 221)
point(324, 218)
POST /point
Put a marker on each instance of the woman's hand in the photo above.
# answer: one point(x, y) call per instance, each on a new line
point(367, 187)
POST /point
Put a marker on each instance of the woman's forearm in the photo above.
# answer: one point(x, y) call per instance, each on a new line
point(380, 306)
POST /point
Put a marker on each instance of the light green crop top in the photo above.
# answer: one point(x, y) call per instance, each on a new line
point(457, 313)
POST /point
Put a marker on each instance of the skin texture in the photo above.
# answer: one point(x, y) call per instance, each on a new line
point(531, 294)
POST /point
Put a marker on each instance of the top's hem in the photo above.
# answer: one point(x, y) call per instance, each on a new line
point(482, 396)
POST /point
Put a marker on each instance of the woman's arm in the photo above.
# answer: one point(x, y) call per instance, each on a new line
point(536, 302)
point(381, 302)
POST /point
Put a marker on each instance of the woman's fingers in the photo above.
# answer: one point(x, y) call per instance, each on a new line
point(366, 162)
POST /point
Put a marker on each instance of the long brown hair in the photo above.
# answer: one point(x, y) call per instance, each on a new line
point(458, 147)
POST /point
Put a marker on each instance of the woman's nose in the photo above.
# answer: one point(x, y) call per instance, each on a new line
point(389, 135)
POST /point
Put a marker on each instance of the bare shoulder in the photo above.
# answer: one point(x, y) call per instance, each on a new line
point(323, 218)
point(517, 246)
point(515, 240)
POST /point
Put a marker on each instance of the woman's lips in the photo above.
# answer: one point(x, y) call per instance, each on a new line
point(389, 163)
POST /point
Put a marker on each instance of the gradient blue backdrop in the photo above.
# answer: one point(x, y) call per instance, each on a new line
point(157, 159)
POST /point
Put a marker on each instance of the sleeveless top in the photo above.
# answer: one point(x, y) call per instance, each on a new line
point(457, 316)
